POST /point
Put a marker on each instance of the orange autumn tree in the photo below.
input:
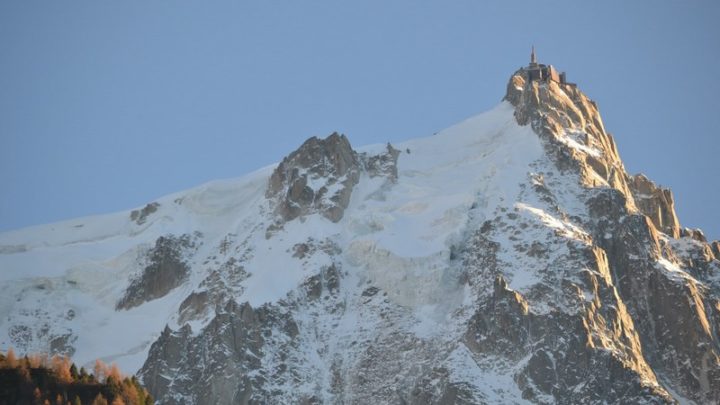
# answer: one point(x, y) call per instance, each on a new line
point(40, 379)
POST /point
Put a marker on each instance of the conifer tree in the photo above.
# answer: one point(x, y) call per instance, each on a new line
point(74, 372)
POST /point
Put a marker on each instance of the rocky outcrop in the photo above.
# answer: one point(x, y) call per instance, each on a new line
point(319, 177)
point(715, 247)
point(222, 363)
point(219, 287)
point(63, 345)
point(141, 215)
point(502, 325)
point(656, 203)
point(316, 178)
point(696, 234)
point(166, 269)
point(383, 165)
point(436, 388)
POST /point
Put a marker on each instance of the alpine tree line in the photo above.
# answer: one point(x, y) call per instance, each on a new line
point(43, 380)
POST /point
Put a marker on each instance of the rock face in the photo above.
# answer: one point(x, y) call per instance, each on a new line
point(219, 287)
point(165, 271)
point(317, 178)
point(219, 365)
point(507, 259)
point(656, 203)
point(505, 326)
point(141, 215)
point(383, 164)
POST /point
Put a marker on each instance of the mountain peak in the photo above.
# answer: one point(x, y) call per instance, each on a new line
point(570, 122)
point(507, 259)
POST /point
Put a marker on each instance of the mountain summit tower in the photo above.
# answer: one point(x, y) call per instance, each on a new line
point(541, 72)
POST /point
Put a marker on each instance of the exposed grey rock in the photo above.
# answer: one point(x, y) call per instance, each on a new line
point(63, 345)
point(319, 177)
point(311, 246)
point(502, 325)
point(220, 286)
point(328, 280)
point(194, 306)
point(696, 257)
point(435, 388)
point(606, 205)
point(696, 234)
point(166, 270)
point(140, 216)
point(20, 336)
point(316, 178)
point(220, 364)
point(384, 164)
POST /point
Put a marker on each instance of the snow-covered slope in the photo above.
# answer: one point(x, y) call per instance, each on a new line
point(82, 266)
point(506, 259)
point(63, 280)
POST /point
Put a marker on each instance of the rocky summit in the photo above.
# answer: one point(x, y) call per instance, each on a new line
point(507, 259)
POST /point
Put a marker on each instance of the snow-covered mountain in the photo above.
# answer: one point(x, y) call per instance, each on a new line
point(507, 259)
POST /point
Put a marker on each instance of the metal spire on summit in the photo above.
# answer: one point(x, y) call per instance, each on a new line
point(542, 72)
point(533, 59)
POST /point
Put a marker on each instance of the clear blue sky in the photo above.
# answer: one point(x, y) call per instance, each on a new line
point(107, 105)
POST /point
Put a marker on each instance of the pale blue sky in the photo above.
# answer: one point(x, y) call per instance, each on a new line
point(107, 105)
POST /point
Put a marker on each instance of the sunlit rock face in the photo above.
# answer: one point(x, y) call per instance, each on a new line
point(507, 259)
point(656, 203)
point(571, 125)
point(667, 279)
